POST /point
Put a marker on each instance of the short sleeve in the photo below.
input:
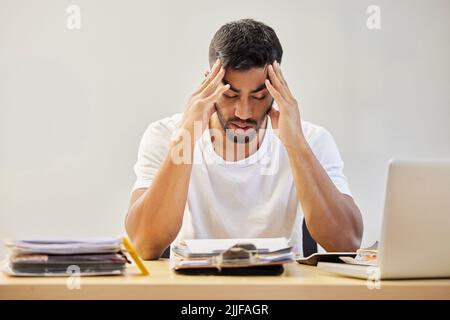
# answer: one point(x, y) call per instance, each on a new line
point(326, 151)
point(152, 151)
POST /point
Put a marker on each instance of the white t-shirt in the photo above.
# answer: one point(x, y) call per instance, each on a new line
point(251, 198)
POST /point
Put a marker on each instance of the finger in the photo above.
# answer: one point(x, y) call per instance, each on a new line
point(205, 74)
point(213, 83)
point(215, 68)
point(277, 69)
point(208, 74)
point(218, 92)
point(211, 74)
point(276, 82)
point(283, 80)
point(274, 92)
point(213, 98)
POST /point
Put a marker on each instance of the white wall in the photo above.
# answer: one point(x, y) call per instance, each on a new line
point(73, 104)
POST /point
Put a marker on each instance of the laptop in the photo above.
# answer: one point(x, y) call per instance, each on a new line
point(415, 234)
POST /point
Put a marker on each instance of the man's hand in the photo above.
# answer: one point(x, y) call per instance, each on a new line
point(200, 106)
point(332, 218)
point(287, 119)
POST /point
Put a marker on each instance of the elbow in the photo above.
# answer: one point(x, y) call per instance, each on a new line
point(146, 251)
point(349, 240)
point(150, 255)
point(353, 243)
point(348, 243)
point(148, 245)
point(354, 238)
point(141, 244)
point(358, 230)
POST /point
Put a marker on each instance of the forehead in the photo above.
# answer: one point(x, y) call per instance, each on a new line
point(246, 80)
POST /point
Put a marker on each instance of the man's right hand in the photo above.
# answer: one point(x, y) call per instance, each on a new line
point(200, 105)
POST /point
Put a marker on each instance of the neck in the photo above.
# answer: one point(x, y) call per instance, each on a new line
point(229, 150)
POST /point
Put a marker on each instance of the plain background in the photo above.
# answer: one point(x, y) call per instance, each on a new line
point(75, 103)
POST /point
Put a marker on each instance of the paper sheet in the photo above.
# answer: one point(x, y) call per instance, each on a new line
point(206, 246)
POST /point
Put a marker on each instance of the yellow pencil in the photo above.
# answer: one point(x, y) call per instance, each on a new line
point(127, 244)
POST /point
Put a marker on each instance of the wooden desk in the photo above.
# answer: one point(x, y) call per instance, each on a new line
point(298, 282)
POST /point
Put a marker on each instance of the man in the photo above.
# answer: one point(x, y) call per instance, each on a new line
point(234, 166)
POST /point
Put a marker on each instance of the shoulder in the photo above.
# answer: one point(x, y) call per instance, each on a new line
point(157, 135)
point(167, 124)
point(315, 133)
point(163, 128)
point(321, 142)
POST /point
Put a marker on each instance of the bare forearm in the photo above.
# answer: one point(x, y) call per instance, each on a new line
point(332, 218)
point(155, 219)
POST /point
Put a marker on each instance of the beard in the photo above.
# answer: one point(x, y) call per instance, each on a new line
point(249, 134)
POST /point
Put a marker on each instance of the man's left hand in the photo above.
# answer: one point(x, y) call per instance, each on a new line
point(286, 120)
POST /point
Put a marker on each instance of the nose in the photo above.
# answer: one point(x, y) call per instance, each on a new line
point(243, 110)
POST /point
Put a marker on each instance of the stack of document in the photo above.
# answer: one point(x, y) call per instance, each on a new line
point(232, 256)
point(65, 257)
point(364, 256)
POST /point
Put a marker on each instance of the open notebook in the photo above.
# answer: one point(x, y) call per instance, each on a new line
point(257, 256)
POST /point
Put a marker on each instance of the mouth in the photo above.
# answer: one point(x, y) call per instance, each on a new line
point(241, 128)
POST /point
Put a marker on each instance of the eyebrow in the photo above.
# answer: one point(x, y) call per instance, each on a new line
point(261, 87)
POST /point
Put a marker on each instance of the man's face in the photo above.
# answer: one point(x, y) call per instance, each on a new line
point(243, 108)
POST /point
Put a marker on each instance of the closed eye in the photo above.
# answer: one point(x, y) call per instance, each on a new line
point(230, 97)
point(260, 95)
point(259, 98)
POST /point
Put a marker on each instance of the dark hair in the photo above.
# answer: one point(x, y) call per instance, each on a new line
point(245, 44)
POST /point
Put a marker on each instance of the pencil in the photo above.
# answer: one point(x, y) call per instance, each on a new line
point(127, 244)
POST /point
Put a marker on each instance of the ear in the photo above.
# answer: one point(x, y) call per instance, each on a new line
point(274, 115)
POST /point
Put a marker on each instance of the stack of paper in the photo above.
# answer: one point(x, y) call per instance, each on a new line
point(231, 253)
point(364, 256)
point(65, 257)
